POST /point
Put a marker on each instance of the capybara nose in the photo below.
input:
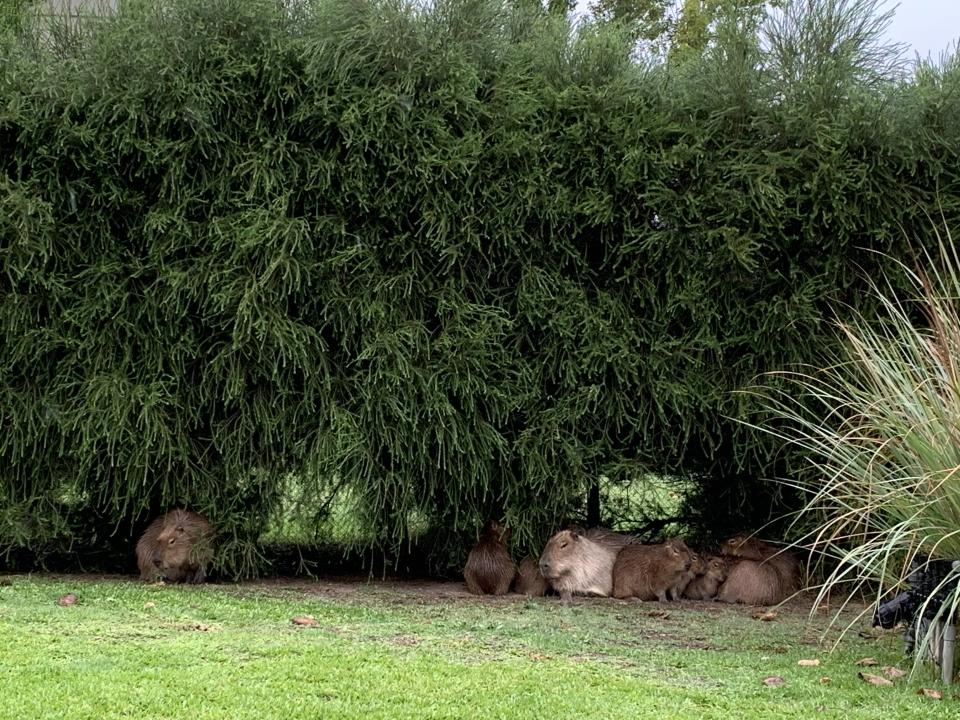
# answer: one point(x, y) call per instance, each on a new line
point(544, 568)
point(156, 561)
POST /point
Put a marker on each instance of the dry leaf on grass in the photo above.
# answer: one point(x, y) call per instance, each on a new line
point(865, 662)
point(68, 599)
point(663, 614)
point(824, 680)
point(874, 679)
point(930, 693)
point(149, 605)
point(773, 681)
point(893, 672)
point(305, 620)
point(808, 663)
point(765, 616)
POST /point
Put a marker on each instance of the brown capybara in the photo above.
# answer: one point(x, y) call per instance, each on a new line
point(176, 547)
point(697, 567)
point(752, 582)
point(574, 564)
point(489, 569)
point(530, 581)
point(785, 563)
point(705, 585)
point(651, 572)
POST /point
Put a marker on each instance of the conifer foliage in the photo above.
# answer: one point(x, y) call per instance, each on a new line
point(450, 260)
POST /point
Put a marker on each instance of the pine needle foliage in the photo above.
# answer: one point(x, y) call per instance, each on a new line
point(449, 260)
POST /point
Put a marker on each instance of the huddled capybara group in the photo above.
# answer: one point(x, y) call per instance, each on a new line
point(604, 563)
point(176, 548)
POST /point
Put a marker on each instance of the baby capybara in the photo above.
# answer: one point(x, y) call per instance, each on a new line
point(530, 581)
point(574, 564)
point(705, 585)
point(651, 572)
point(697, 567)
point(176, 547)
point(489, 569)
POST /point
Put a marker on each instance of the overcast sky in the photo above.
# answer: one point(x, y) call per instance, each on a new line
point(927, 26)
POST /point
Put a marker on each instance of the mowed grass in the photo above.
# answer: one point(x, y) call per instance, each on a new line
point(396, 650)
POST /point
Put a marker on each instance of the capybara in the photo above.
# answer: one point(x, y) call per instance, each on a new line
point(752, 582)
point(651, 572)
point(489, 569)
point(785, 563)
point(705, 585)
point(697, 567)
point(530, 581)
point(176, 547)
point(574, 564)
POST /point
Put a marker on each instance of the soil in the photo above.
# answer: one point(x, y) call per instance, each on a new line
point(417, 592)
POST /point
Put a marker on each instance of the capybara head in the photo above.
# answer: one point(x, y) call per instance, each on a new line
point(574, 564)
point(708, 579)
point(489, 569)
point(715, 567)
point(529, 580)
point(495, 531)
point(679, 555)
point(176, 547)
point(749, 547)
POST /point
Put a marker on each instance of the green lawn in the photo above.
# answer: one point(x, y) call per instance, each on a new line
point(126, 650)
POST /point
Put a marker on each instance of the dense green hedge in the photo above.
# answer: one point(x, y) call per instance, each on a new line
point(448, 263)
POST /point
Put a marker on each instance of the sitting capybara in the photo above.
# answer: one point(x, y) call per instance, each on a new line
point(697, 567)
point(783, 562)
point(705, 585)
point(574, 564)
point(176, 547)
point(651, 572)
point(489, 569)
point(530, 581)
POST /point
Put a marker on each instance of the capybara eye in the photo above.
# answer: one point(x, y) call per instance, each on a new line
point(563, 544)
point(172, 541)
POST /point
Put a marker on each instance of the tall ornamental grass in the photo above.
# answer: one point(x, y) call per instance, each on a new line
point(879, 425)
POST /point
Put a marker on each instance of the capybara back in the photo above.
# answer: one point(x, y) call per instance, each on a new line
point(489, 569)
point(651, 572)
point(783, 561)
point(176, 547)
point(752, 582)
